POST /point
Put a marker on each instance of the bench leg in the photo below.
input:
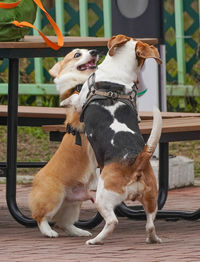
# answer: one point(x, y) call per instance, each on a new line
point(12, 145)
point(163, 174)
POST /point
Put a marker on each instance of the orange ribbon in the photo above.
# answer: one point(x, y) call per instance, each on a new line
point(9, 5)
point(53, 45)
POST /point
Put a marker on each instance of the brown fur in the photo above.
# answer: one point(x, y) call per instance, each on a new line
point(58, 67)
point(116, 41)
point(143, 50)
point(126, 174)
point(67, 94)
point(60, 187)
point(52, 180)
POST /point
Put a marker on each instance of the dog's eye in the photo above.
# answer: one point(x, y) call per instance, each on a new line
point(77, 55)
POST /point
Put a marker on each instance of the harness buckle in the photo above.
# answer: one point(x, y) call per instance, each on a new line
point(113, 94)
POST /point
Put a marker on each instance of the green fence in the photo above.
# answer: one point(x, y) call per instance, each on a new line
point(182, 35)
point(93, 18)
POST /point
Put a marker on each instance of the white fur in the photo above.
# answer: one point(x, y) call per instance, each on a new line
point(46, 230)
point(116, 126)
point(156, 130)
point(113, 108)
point(122, 68)
point(70, 76)
point(106, 201)
point(150, 229)
point(67, 81)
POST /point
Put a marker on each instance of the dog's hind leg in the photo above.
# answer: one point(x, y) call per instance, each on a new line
point(45, 213)
point(150, 229)
point(106, 202)
point(44, 226)
point(67, 216)
point(149, 202)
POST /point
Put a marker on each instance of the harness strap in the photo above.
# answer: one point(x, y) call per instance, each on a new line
point(97, 91)
point(114, 95)
point(74, 132)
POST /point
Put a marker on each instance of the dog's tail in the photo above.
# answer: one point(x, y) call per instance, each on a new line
point(143, 158)
point(155, 132)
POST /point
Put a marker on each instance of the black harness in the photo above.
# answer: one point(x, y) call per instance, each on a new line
point(74, 132)
point(110, 90)
point(78, 88)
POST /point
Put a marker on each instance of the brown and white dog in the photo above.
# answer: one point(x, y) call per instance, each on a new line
point(111, 126)
point(60, 187)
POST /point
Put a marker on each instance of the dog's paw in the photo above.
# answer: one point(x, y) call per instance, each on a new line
point(63, 103)
point(153, 240)
point(73, 231)
point(51, 233)
point(93, 242)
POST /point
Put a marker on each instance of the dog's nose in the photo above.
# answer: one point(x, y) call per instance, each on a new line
point(93, 52)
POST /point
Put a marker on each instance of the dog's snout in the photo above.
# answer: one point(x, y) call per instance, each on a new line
point(93, 52)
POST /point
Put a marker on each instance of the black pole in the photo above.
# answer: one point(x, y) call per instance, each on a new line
point(12, 145)
point(163, 174)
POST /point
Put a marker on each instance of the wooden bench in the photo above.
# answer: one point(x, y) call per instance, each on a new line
point(39, 116)
point(34, 115)
point(173, 123)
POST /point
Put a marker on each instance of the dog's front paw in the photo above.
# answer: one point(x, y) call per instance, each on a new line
point(77, 232)
point(83, 233)
point(51, 233)
point(93, 242)
point(153, 240)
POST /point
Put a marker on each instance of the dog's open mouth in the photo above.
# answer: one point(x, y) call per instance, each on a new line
point(89, 65)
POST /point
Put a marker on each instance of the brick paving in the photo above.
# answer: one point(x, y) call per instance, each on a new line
point(181, 241)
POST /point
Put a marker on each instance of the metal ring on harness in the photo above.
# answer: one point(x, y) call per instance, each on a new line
point(113, 94)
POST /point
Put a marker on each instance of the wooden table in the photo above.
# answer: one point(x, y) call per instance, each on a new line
point(29, 47)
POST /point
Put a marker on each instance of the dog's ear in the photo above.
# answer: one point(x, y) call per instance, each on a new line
point(54, 71)
point(144, 51)
point(116, 41)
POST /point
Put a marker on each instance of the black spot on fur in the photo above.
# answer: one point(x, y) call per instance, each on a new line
point(107, 144)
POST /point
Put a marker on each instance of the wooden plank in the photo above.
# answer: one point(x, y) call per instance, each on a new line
point(69, 41)
point(54, 128)
point(36, 112)
point(149, 115)
point(172, 125)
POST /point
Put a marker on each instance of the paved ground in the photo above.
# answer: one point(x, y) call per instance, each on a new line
point(181, 239)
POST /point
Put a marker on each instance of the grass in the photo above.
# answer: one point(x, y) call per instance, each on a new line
point(34, 145)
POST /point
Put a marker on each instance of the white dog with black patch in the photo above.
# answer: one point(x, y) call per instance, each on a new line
point(109, 113)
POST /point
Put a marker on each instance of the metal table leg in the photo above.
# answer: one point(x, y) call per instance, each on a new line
point(12, 145)
point(163, 174)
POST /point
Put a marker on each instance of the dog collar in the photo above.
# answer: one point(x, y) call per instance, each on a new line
point(69, 92)
point(74, 132)
point(78, 88)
